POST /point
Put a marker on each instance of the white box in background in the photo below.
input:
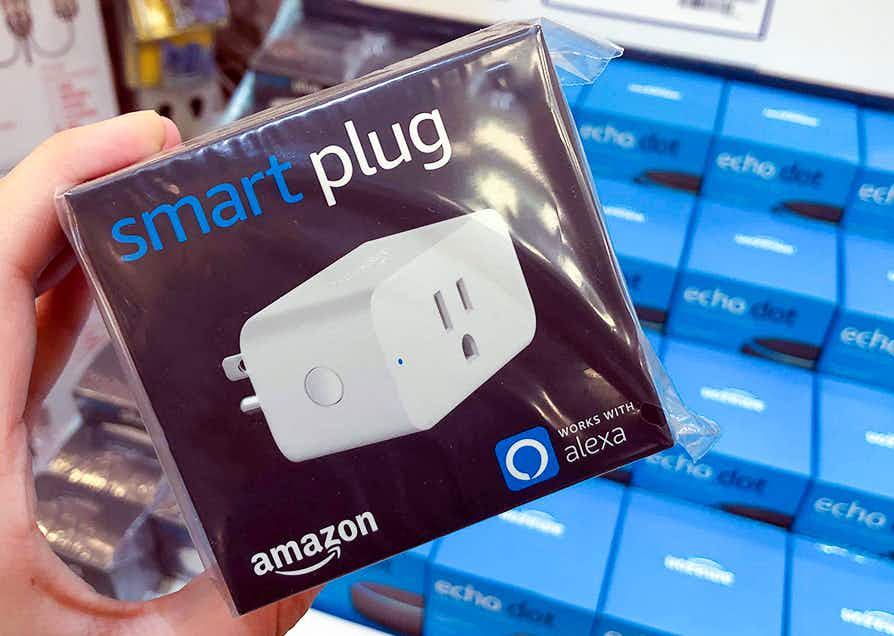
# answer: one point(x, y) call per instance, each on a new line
point(54, 69)
point(826, 42)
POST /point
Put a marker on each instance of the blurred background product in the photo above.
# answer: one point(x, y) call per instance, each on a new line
point(649, 228)
point(166, 58)
point(744, 155)
point(650, 123)
point(761, 466)
point(103, 502)
point(53, 52)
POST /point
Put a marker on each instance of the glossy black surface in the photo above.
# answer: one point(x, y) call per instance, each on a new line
point(178, 312)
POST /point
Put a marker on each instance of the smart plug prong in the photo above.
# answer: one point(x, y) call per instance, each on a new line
point(234, 368)
point(250, 404)
point(388, 339)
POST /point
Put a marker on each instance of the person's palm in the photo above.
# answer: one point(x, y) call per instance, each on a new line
point(44, 300)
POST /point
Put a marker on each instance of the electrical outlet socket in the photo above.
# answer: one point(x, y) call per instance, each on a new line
point(388, 339)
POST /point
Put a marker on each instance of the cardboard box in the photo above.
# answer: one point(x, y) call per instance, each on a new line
point(683, 569)
point(59, 68)
point(534, 570)
point(759, 283)
point(760, 466)
point(785, 151)
point(388, 595)
point(861, 340)
point(648, 227)
point(837, 592)
point(649, 123)
point(871, 207)
point(852, 499)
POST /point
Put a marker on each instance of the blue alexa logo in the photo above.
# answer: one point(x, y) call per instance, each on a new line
point(527, 459)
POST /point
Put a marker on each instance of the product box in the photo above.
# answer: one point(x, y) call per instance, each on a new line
point(648, 227)
point(388, 595)
point(871, 207)
point(375, 314)
point(649, 123)
point(784, 151)
point(108, 546)
point(760, 467)
point(176, 62)
point(852, 499)
point(534, 570)
point(683, 569)
point(758, 283)
point(861, 340)
point(838, 592)
point(54, 59)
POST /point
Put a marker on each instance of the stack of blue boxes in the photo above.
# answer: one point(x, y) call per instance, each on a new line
point(755, 229)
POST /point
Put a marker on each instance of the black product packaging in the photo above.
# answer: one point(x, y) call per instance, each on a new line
point(378, 314)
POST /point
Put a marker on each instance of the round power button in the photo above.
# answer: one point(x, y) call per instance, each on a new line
point(323, 386)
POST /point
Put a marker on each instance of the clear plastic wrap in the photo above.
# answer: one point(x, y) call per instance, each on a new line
point(110, 461)
point(100, 536)
point(378, 314)
point(102, 395)
point(178, 557)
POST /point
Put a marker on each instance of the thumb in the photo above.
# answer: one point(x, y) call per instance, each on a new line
point(30, 239)
point(30, 236)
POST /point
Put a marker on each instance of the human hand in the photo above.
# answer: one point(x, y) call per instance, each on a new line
point(45, 299)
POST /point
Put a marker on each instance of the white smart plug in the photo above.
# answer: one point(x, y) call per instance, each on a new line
point(388, 339)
